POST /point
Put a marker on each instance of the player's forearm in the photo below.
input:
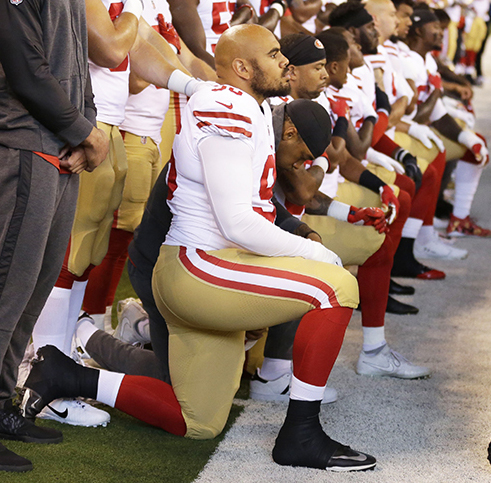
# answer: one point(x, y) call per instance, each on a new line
point(447, 126)
point(198, 67)
point(150, 65)
point(188, 24)
point(303, 10)
point(398, 109)
point(359, 141)
point(351, 169)
point(426, 108)
point(319, 205)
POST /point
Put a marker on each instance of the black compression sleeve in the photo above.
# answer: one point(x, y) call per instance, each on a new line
point(370, 181)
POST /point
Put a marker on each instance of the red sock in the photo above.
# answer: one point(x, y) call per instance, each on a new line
point(380, 127)
point(405, 183)
point(470, 58)
point(374, 280)
point(427, 192)
point(102, 278)
point(317, 343)
point(385, 145)
point(151, 401)
point(438, 164)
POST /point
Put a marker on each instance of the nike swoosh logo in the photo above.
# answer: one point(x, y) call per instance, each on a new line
point(390, 367)
point(63, 414)
point(228, 106)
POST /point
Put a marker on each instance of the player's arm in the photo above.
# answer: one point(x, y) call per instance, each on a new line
point(28, 73)
point(397, 111)
point(188, 24)
point(299, 184)
point(302, 10)
point(426, 108)
point(228, 180)
point(358, 142)
point(110, 41)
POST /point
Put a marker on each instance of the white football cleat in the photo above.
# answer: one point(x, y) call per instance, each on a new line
point(388, 363)
point(437, 248)
point(133, 324)
point(278, 390)
point(74, 412)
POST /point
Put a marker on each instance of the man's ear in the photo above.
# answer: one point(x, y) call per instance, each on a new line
point(242, 68)
point(293, 72)
point(332, 68)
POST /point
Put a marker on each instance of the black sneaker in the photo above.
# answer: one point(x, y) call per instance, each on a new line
point(9, 461)
point(14, 426)
point(53, 376)
point(304, 443)
point(399, 308)
point(398, 289)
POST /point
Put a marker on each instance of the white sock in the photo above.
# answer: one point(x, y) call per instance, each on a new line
point(301, 391)
point(108, 326)
point(411, 228)
point(51, 324)
point(425, 235)
point(274, 368)
point(373, 338)
point(467, 177)
point(108, 387)
point(98, 320)
point(85, 331)
point(76, 299)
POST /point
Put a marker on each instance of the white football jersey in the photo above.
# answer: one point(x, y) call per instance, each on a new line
point(215, 16)
point(145, 112)
point(217, 110)
point(110, 86)
point(365, 80)
point(425, 67)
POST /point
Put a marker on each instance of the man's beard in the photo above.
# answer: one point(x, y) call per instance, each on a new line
point(366, 45)
point(261, 87)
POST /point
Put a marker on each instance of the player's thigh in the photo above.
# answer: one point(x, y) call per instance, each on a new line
point(453, 149)
point(359, 196)
point(143, 158)
point(354, 244)
point(237, 290)
point(99, 196)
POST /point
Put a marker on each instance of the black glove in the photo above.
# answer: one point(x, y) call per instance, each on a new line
point(382, 100)
point(410, 164)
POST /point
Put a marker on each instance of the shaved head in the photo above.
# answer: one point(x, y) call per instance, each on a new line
point(248, 56)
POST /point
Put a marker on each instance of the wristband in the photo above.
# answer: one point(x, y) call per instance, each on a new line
point(279, 7)
point(370, 181)
point(133, 6)
point(338, 210)
point(341, 128)
point(322, 162)
point(468, 139)
point(246, 5)
point(182, 83)
point(371, 119)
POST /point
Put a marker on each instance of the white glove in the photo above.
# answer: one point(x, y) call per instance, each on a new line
point(133, 6)
point(380, 159)
point(476, 145)
point(425, 135)
point(323, 254)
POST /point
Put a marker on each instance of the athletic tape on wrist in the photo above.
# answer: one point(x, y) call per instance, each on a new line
point(279, 8)
point(322, 162)
point(338, 210)
point(133, 6)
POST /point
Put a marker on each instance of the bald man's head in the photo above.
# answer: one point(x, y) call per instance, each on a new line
point(248, 57)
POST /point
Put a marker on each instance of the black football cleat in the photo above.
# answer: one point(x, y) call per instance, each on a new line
point(302, 442)
point(399, 308)
point(398, 289)
point(9, 461)
point(55, 375)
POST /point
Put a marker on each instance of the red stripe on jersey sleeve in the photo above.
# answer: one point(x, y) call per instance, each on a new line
point(235, 129)
point(225, 115)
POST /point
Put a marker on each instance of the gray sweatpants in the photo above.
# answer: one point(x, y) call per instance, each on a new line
point(37, 206)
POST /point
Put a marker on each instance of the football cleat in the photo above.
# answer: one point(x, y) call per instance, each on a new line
point(388, 363)
point(398, 289)
point(278, 390)
point(74, 412)
point(439, 249)
point(9, 461)
point(465, 227)
point(133, 324)
point(399, 308)
point(302, 442)
point(53, 376)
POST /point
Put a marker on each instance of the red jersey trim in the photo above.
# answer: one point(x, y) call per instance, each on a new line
point(225, 115)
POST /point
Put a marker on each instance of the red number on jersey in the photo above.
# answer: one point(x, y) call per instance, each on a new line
point(115, 10)
point(266, 190)
point(231, 89)
point(218, 25)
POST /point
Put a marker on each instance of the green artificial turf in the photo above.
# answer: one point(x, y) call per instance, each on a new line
point(126, 451)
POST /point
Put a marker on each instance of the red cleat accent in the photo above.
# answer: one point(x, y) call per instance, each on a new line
point(431, 275)
point(465, 226)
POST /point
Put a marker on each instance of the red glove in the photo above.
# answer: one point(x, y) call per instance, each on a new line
point(169, 33)
point(368, 216)
point(435, 80)
point(390, 203)
point(340, 107)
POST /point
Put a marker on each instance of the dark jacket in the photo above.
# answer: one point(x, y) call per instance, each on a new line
point(45, 93)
